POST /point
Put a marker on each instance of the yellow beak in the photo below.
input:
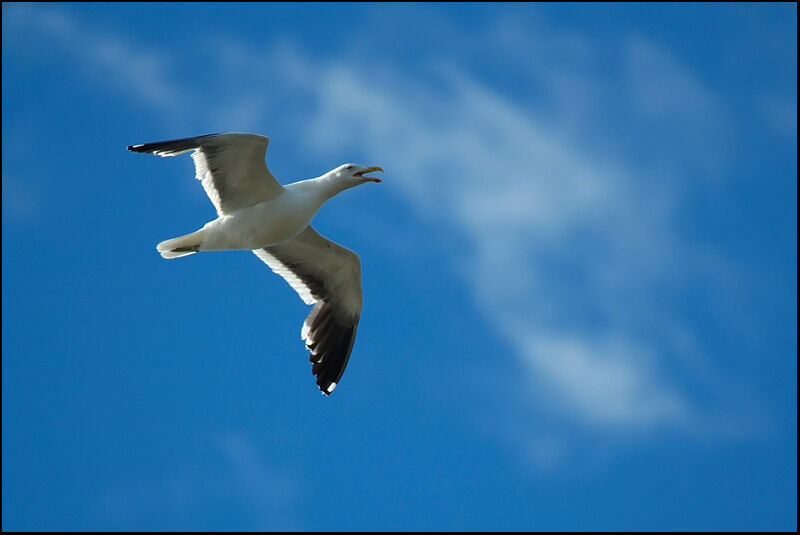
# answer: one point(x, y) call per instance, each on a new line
point(361, 174)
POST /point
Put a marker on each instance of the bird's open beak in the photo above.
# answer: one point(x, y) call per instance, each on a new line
point(361, 174)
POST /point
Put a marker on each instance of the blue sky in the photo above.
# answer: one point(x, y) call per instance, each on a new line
point(580, 271)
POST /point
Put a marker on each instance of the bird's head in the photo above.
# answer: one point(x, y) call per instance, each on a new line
point(354, 174)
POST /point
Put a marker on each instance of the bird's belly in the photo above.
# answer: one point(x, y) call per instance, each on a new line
point(256, 226)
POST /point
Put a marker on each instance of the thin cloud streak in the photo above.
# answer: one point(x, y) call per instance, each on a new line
point(236, 473)
point(140, 71)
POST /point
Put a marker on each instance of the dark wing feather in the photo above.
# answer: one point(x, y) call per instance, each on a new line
point(329, 277)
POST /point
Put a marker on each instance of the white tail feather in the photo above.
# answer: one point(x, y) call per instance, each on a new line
point(182, 245)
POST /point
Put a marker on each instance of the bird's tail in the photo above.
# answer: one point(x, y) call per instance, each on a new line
point(182, 245)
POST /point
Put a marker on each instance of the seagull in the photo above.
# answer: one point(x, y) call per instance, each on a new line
point(257, 213)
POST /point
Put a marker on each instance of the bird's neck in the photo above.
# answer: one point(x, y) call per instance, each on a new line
point(327, 186)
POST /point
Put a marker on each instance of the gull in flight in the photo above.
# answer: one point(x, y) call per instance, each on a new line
point(255, 212)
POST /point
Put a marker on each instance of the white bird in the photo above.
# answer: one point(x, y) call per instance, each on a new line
point(255, 212)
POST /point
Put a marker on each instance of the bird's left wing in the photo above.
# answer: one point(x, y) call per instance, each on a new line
point(231, 167)
point(327, 276)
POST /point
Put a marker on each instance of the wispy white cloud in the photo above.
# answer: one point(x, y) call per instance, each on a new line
point(270, 495)
point(665, 96)
point(236, 474)
point(780, 113)
point(660, 85)
point(22, 200)
point(608, 381)
point(137, 69)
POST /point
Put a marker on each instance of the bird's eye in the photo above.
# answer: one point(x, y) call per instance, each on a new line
point(349, 167)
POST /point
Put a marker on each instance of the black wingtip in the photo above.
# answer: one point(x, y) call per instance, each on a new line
point(186, 143)
point(326, 390)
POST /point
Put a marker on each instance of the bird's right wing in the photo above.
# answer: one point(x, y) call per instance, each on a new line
point(231, 167)
point(328, 276)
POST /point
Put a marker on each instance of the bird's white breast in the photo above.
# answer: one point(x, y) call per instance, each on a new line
point(262, 224)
